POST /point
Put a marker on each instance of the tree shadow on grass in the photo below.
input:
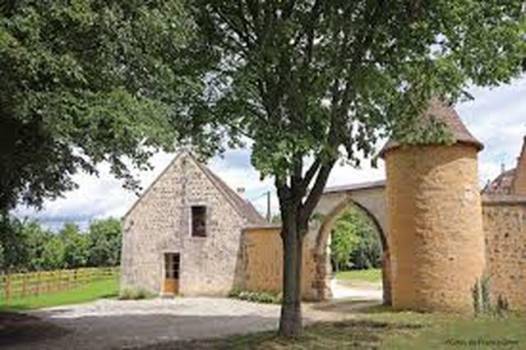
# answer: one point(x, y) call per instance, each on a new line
point(351, 334)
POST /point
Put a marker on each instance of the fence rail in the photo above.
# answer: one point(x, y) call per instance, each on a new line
point(19, 285)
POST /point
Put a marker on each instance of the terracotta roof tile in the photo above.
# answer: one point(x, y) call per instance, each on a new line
point(502, 184)
point(442, 112)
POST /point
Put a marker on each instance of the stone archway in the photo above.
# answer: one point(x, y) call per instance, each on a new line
point(370, 199)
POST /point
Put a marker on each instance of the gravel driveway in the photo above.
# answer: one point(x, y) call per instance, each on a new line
point(115, 324)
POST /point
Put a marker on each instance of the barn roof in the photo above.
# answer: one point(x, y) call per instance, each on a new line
point(440, 111)
point(242, 206)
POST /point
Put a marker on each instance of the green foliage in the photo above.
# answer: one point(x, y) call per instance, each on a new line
point(25, 245)
point(134, 294)
point(481, 296)
point(355, 242)
point(13, 239)
point(482, 303)
point(89, 81)
point(76, 246)
point(105, 237)
point(53, 256)
point(304, 78)
point(256, 297)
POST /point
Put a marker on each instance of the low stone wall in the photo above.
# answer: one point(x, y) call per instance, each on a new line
point(505, 229)
point(263, 262)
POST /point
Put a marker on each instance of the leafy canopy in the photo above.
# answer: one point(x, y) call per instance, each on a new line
point(303, 78)
point(90, 81)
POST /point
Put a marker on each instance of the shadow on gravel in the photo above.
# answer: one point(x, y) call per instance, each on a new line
point(20, 328)
point(20, 331)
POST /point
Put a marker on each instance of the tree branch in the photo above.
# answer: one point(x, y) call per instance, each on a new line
point(317, 190)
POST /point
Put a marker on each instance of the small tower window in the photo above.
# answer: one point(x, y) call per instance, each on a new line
point(199, 221)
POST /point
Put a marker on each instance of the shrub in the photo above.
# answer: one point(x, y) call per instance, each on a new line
point(482, 299)
point(256, 297)
point(134, 294)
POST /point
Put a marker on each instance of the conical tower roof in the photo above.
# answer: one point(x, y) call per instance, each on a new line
point(445, 114)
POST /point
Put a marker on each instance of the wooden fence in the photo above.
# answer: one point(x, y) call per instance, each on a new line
point(19, 285)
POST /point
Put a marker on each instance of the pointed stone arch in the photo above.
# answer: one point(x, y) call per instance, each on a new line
point(370, 199)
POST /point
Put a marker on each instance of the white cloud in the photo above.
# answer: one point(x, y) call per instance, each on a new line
point(497, 117)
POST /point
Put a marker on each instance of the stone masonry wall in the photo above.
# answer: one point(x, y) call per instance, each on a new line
point(435, 227)
point(160, 223)
point(505, 230)
point(263, 262)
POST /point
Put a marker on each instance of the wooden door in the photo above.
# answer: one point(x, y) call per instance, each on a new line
point(171, 276)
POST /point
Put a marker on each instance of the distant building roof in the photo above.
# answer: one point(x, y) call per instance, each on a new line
point(442, 112)
point(502, 184)
point(505, 183)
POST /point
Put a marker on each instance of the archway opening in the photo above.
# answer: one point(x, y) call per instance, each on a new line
point(352, 255)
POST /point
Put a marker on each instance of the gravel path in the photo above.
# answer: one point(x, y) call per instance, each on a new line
point(115, 324)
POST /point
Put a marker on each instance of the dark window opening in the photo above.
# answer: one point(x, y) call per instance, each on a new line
point(199, 221)
point(172, 264)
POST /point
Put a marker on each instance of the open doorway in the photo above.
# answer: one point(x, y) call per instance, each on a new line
point(172, 263)
point(356, 254)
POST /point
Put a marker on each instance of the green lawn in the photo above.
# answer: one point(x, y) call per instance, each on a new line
point(88, 292)
point(381, 328)
point(371, 275)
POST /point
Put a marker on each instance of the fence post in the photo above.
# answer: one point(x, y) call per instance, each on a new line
point(24, 284)
point(7, 288)
point(37, 288)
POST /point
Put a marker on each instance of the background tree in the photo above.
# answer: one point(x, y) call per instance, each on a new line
point(105, 237)
point(344, 239)
point(89, 81)
point(76, 246)
point(37, 238)
point(355, 243)
point(25, 245)
point(14, 242)
point(54, 254)
point(313, 81)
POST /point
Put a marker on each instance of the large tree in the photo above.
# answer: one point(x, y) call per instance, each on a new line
point(85, 82)
point(310, 82)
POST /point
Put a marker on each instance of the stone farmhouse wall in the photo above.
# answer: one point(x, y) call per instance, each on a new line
point(160, 223)
point(505, 231)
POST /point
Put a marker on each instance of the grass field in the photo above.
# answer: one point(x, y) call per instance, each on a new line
point(371, 275)
point(383, 329)
point(91, 291)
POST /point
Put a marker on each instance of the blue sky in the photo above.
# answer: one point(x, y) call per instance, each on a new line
point(497, 117)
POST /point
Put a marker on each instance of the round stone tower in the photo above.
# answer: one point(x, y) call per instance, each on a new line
point(435, 219)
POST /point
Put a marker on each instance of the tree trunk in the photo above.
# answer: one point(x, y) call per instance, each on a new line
point(290, 324)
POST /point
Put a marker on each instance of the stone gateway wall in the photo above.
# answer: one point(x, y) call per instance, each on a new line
point(435, 227)
point(505, 230)
point(263, 262)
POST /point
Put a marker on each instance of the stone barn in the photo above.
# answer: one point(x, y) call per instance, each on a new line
point(183, 235)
